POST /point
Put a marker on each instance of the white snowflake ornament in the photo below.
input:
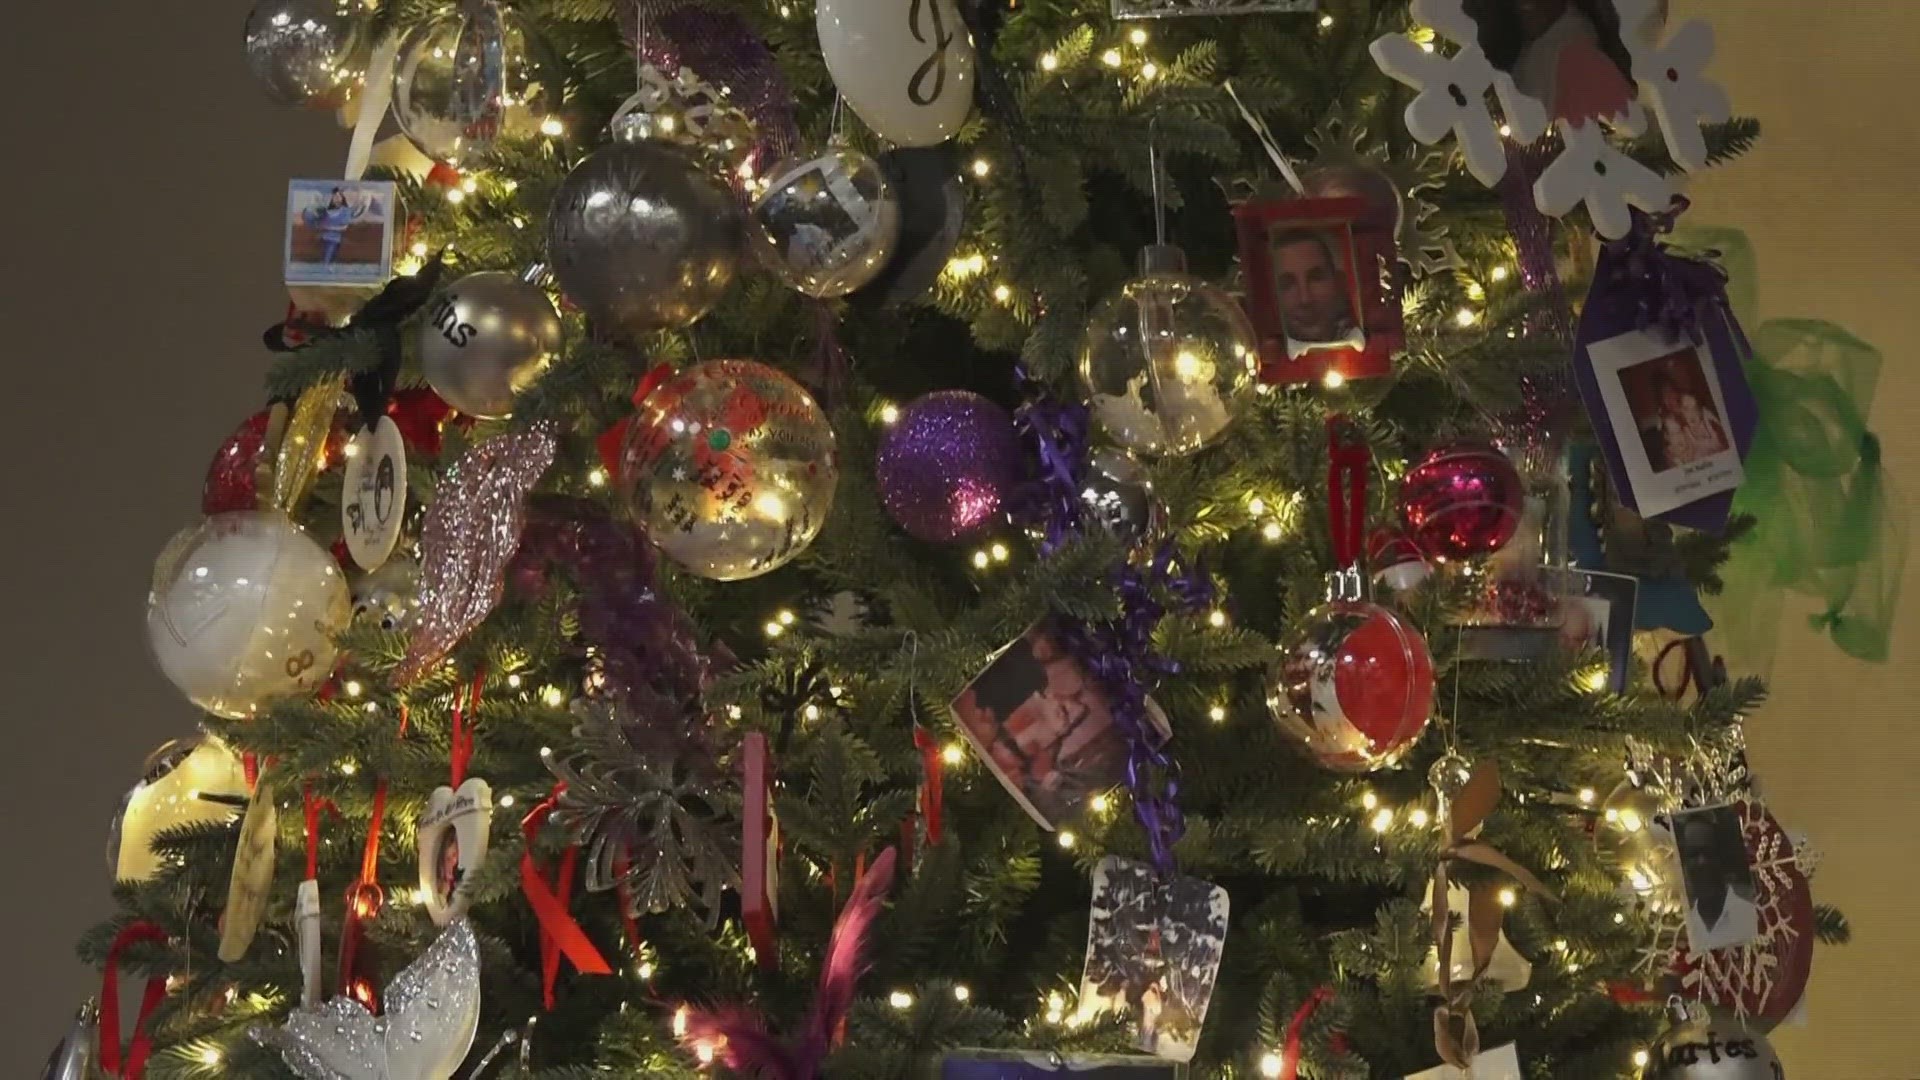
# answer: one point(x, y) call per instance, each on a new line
point(1673, 79)
point(1592, 171)
point(1452, 99)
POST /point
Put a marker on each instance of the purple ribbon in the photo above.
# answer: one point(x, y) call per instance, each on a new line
point(1050, 503)
point(1120, 653)
point(1547, 399)
point(1683, 297)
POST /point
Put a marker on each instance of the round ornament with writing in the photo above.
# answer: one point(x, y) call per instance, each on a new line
point(1708, 1049)
point(905, 68)
point(373, 496)
point(489, 339)
point(453, 843)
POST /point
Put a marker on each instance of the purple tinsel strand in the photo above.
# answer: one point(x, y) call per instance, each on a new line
point(1547, 399)
point(1119, 654)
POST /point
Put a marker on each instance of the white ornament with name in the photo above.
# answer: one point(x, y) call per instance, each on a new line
point(905, 66)
point(453, 843)
point(373, 493)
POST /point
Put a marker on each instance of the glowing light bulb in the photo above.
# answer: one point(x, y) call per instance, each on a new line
point(1465, 317)
point(1111, 58)
point(353, 688)
point(1497, 274)
point(552, 128)
point(1419, 817)
point(961, 993)
point(786, 618)
point(980, 560)
point(1382, 820)
point(1641, 1058)
point(889, 414)
point(514, 681)
point(1256, 506)
point(1149, 71)
point(552, 697)
point(1000, 552)
point(1333, 380)
point(210, 1056)
point(1216, 618)
point(1217, 714)
point(1049, 62)
point(812, 712)
point(1326, 22)
point(1270, 1065)
point(1508, 898)
point(1067, 840)
point(953, 754)
point(770, 505)
point(1101, 803)
point(506, 802)
point(981, 167)
point(1002, 293)
point(1138, 36)
point(774, 629)
point(645, 971)
point(900, 999)
point(1271, 530)
point(456, 196)
point(1186, 366)
point(597, 478)
point(1586, 796)
point(1370, 800)
point(680, 1022)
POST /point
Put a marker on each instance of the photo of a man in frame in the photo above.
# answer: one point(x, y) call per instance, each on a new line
point(1315, 289)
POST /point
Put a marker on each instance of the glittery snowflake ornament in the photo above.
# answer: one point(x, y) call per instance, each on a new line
point(433, 1011)
point(1592, 83)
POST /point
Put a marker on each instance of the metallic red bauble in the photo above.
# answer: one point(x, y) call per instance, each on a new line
point(232, 479)
point(1354, 684)
point(419, 414)
point(1462, 501)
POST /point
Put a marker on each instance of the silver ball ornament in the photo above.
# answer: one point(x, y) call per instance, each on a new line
point(1710, 1049)
point(1449, 776)
point(1118, 497)
point(490, 337)
point(73, 1059)
point(388, 597)
point(302, 50)
point(827, 225)
point(641, 238)
point(463, 81)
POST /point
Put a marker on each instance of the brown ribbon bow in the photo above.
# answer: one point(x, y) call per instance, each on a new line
point(1455, 1035)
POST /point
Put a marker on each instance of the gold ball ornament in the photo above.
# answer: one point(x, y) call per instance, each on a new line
point(491, 337)
point(191, 781)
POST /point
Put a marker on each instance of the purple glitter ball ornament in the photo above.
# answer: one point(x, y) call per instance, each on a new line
point(947, 467)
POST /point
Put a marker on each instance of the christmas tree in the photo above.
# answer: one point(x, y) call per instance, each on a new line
point(865, 539)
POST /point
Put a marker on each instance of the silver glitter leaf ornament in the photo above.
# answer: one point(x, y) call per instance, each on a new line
point(433, 1011)
point(471, 532)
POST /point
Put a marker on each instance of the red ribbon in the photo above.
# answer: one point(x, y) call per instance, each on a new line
point(614, 438)
point(1348, 460)
point(142, 1044)
point(462, 736)
point(313, 807)
point(931, 800)
point(1290, 1054)
point(560, 935)
point(365, 897)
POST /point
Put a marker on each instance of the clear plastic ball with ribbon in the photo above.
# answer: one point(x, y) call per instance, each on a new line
point(1354, 684)
point(731, 468)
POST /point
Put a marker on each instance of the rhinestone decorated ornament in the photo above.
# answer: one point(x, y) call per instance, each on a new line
point(1453, 84)
point(432, 1012)
point(731, 468)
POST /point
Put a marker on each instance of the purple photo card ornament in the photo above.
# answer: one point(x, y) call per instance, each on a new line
point(1642, 285)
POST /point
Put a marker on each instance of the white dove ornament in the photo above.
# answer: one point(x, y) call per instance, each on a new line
point(432, 1013)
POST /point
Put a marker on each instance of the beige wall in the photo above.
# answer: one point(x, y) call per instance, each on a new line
point(1828, 200)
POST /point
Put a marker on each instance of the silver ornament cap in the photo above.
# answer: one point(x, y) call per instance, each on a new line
point(490, 338)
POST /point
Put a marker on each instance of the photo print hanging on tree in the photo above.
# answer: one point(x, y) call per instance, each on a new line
point(1499, 1063)
point(1154, 942)
point(1674, 416)
point(1568, 65)
point(453, 843)
point(340, 232)
point(1323, 288)
point(1717, 877)
point(1598, 613)
point(970, 1064)
point(1045, 727)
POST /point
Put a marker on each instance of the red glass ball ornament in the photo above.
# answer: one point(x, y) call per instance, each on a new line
point(1396, 561)
point(1354, 684)
point(232, 479)
point(1462, 501)
point(419, 414)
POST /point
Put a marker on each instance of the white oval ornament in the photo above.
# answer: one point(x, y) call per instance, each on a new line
point(453, 843)
point(373, 497)
point(252, 880)
point(905, 67)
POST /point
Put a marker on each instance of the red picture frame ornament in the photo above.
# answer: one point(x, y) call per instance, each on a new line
point(1372, 282)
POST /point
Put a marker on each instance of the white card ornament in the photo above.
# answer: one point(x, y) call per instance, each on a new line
point(1499, 1063)
point(252, 879)
point(1572, 75)
point(906, 68)
point(373, 494)
point(453, 843)
point(432, 1013)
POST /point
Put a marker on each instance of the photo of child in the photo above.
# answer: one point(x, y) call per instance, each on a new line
point(447, 873)
point(1044, 727)
point(1672, 408)
point(1665, 403)
point(339, 232)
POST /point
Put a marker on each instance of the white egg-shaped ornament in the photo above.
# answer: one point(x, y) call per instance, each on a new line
point(907, 69)
point(243, 611)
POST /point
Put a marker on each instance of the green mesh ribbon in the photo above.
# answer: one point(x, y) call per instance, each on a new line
point(1828, 526)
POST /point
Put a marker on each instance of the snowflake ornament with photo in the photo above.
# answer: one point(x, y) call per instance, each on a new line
point(1598, 62)
point(1762, 980)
